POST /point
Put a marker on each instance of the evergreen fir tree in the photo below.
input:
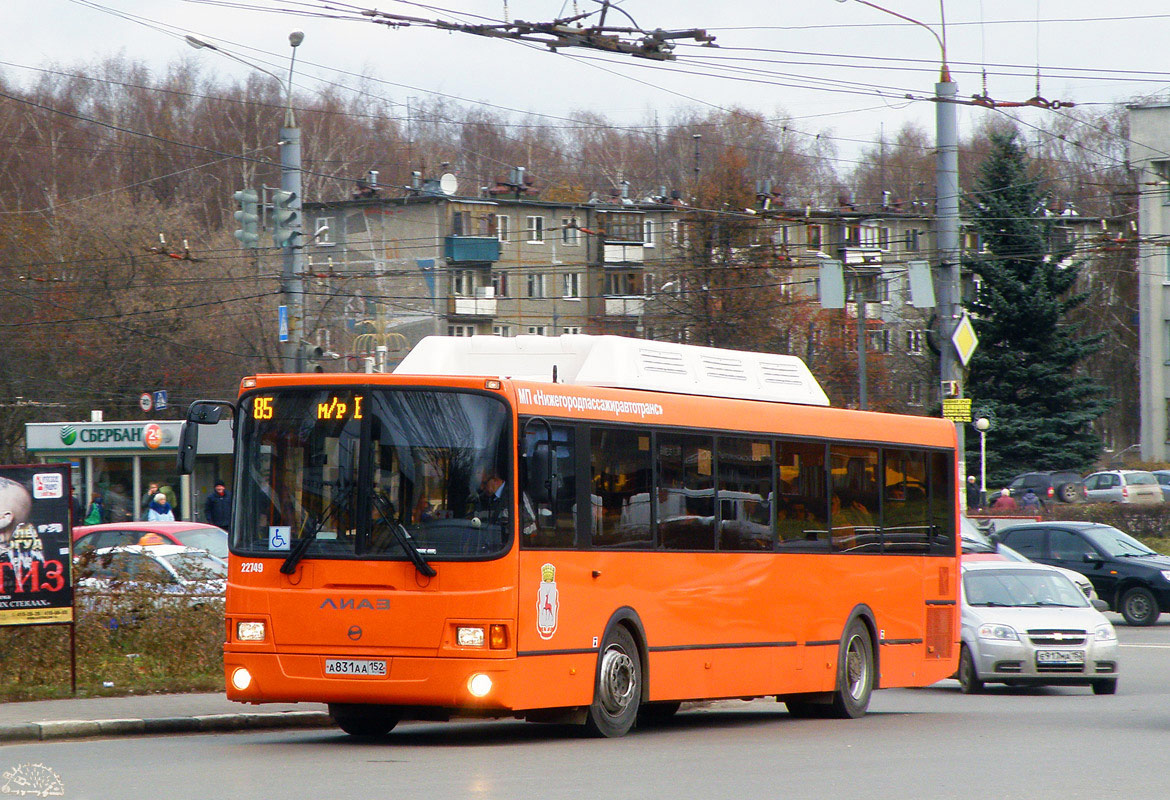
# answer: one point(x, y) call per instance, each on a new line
point(1025, 370)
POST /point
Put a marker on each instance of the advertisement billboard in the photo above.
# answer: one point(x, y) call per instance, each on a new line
point(36, 583)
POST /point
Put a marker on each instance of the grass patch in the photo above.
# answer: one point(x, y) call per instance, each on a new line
point(133, 643)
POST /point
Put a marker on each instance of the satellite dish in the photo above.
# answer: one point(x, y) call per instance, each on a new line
point(448, 184)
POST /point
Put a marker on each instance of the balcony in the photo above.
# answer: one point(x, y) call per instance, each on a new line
point(482, 306)
point(624, 306)
point(472, 248)
point(623, 253)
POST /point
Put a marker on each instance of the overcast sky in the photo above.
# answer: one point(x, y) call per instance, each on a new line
point(833, 66)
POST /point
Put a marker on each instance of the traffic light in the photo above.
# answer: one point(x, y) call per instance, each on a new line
point(248, 217)
point(286, 218)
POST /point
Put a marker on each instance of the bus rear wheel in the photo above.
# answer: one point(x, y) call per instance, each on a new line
point(364, 720)
point(617, 692)
point(855, 672)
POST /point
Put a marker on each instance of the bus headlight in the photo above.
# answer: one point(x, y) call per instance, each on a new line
point(469, 637)
point(241, 678)
point(479, 685)
point(250, 631)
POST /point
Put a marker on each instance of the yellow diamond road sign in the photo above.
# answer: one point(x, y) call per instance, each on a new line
point(965, 340)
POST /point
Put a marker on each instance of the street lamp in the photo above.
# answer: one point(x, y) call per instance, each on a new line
point(289, 199)
point(947, 204)
point(983, 424)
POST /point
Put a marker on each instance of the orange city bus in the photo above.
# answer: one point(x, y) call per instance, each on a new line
point(589, 529)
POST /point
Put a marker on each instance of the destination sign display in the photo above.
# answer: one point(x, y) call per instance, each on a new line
point(333, 408)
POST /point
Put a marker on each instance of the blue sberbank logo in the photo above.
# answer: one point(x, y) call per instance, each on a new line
point(69, 434)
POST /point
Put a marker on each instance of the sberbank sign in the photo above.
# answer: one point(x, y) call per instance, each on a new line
point(149, 436)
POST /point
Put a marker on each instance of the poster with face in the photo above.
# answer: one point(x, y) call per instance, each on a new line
point(36, 585)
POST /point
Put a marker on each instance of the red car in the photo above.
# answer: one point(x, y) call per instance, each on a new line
point(111, 534)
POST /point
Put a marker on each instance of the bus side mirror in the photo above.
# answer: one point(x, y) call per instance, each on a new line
point(188, 446)
point(200, 412)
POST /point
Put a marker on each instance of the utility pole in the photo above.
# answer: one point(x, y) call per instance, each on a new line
point(287, 223)
point(288, 232)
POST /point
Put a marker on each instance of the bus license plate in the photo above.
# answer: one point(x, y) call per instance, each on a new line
point(353, 666)
point(1060, 656)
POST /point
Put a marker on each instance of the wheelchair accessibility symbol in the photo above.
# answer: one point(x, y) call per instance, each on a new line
point(278, 537)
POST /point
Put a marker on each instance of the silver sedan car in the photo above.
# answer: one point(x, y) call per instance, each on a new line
point(1029, 624)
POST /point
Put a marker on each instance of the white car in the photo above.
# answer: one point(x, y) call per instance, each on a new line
point(167, 570)
point(1025, 623)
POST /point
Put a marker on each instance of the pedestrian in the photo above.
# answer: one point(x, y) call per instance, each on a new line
point(974, 496)
point(1031, 502)
point(148, 498)
point(97, 511)
point(218, 508)
point(160, 510)
point(1005, 502)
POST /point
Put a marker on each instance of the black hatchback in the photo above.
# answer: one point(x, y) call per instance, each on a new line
point(1062, 486)
point(1133, 579)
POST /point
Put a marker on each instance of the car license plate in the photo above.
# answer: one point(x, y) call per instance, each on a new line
point(1060, 656)
point(353, 666)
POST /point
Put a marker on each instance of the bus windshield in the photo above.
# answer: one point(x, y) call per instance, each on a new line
point(361, 473)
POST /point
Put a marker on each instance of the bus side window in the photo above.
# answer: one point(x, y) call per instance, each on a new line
point(801, 499)
point(905, 522)
point(620, 488)
point(684, 503)
point(558, 518)
point(942, 504)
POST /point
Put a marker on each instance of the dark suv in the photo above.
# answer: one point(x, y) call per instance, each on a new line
point(1133, 579)
point(1067, 487)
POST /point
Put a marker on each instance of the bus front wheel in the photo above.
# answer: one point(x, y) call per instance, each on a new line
point(855, 673)
point(364, 720)
point(617, 691)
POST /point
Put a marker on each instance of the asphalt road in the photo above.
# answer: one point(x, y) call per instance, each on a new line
point(916, 743)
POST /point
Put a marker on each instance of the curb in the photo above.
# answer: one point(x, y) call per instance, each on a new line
point(84, 728)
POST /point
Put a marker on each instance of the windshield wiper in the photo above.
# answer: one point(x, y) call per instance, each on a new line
point(302, 546)
point(386, 512)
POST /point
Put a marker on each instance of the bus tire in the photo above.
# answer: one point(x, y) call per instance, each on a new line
point(855, 673)
point(617, 691)
point(364, 720)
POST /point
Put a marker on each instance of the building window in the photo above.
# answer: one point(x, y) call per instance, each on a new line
point(878, 341)
point(621, 227)
point(813, 233)
point(884, 238)
point(326, 238)
point(461, 330)
point(868, 235)
point(536, 284)
point(536, 330)
point(619, 283)
point(535, 227)
point(914, 393)
point(571, 330)
point(463, 283)
point(461, 223)
point(912, 241)
point(570, 233)
point(571, 285)
point(503, 227)
point(648, 237)
point(915, 341)
point(500, 283)
point(502, 330)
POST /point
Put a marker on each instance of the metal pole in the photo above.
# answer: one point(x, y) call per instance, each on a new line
point(983, 465)
point(293, 267)
point(862, 378)
point(947, 216)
